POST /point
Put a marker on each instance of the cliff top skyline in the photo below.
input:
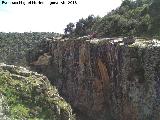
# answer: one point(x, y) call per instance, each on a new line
point(47, 17)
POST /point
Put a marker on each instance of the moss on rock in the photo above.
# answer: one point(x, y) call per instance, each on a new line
point(30, 96)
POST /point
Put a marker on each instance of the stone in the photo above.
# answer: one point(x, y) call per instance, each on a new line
point(28, 95)
point(106, 80)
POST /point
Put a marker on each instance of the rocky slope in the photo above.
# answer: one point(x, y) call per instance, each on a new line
point(104, 79)
point(25, 95)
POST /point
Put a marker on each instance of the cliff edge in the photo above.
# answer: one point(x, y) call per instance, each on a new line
point(26, 95)
point(104, 79)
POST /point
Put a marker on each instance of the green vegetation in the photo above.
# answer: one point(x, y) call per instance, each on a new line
point(13, 46)
point(30, 96)
point(133, 17)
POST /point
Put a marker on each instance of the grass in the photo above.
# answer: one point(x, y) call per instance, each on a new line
point(32, 98)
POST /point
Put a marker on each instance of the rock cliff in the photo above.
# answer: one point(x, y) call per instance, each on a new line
point(25, 95)
point(104, 79)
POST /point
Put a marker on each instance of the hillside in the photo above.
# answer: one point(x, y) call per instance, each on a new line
point(14, 46)
point(136, 18)
point(25, 95)
point(102, 68)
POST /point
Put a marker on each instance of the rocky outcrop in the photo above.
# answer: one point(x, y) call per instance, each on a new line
point(28, 95)
point(103, 79)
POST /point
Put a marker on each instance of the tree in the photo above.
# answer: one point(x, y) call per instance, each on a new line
point(133, 17)
point(80, 28)
point(69, 29)
point(90, 20)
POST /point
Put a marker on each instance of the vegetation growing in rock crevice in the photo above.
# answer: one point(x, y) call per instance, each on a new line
point(31, 97)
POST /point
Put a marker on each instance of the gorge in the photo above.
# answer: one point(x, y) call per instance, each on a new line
point(103, 79)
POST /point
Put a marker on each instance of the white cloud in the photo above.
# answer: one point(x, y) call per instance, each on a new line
point(20, 18)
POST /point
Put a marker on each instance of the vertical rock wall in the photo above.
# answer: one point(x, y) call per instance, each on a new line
point(104, 80)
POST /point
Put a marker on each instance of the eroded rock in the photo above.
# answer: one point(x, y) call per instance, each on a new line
point(105, 79)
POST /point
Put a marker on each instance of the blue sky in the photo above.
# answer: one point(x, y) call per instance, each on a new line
point(50, 18)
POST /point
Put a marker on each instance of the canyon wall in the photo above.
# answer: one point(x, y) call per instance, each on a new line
point(103, 79)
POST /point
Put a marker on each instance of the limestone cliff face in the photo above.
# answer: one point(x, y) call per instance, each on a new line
point(104, 79)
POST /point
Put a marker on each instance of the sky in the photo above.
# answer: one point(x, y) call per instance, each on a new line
point(49, 18)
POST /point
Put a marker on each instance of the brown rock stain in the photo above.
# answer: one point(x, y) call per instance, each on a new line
point(42, 60)
point(100, 87)
point(103, 72)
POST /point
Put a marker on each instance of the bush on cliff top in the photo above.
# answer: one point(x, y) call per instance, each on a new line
point(133, 17)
